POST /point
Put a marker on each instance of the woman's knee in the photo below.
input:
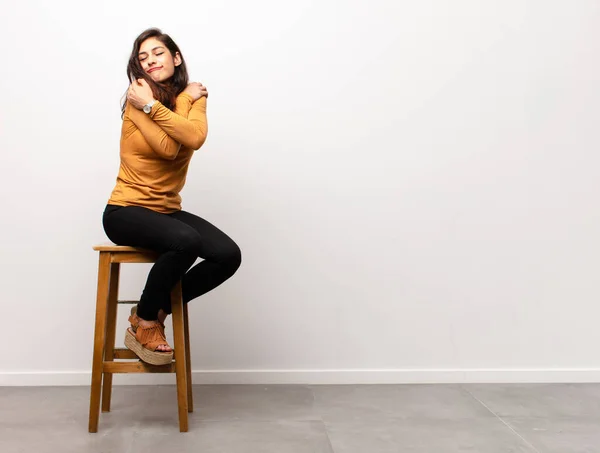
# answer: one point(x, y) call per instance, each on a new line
point(231, 258)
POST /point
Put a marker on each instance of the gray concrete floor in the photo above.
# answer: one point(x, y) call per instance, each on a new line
point(561, 418)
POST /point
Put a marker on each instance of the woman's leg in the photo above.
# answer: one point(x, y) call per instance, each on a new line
point(221, 258)
point(178, 243)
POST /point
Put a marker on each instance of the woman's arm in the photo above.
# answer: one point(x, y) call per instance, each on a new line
point(160, 142)
point(191, 131)
point(183, 104)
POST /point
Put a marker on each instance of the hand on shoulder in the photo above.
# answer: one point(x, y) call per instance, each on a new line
point(196, 90)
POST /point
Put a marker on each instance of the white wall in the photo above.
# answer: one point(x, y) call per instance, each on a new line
point(414, 186)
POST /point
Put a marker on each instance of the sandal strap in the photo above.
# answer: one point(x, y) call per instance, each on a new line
point(151, 337)
point(134, 320)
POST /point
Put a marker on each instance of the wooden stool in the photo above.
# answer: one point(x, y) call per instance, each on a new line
point(105, 353)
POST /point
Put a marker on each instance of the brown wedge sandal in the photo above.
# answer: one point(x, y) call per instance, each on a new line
point(135, 316)
point(143, 341)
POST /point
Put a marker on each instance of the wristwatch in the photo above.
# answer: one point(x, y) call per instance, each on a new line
point(148, 107)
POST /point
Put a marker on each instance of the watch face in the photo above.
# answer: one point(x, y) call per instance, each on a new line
point(147, 109)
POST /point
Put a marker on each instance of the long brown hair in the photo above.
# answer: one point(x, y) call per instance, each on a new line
point(165, 92)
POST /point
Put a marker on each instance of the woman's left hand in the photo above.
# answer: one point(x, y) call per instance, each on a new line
point(139, 94)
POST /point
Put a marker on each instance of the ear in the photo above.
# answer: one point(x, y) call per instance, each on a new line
point(177, 59)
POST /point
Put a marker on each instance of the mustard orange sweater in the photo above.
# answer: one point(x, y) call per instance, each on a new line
point(156, 149)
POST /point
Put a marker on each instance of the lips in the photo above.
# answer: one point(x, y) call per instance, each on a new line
point(154, 69)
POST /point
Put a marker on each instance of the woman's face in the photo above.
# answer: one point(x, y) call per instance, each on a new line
point(156, 60)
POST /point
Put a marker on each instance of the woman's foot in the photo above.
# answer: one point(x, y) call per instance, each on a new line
point(147, 340)
point(149, 324)
point(161, 319)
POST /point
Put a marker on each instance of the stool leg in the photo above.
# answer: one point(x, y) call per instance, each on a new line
point(180, 367)
point(188, 358)
point(111, 329)
point(99, 337)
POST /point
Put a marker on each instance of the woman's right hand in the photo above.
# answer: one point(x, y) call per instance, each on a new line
point(196, 90)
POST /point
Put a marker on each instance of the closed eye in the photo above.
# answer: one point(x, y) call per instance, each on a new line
point(142, 59)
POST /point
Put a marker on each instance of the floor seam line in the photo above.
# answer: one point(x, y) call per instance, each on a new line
point(503, 421)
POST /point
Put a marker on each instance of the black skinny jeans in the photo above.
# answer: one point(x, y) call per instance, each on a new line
point(180, 238)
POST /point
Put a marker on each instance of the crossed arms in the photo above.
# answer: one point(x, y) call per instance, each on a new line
point(167, 131)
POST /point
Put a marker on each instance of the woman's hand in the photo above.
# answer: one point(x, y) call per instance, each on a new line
point(196, 90)
point(139, 94)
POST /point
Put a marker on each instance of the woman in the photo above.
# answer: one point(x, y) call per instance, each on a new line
point(164, 121)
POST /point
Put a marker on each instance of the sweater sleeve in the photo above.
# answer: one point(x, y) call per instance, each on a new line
point(191, 131)
point(160, 142)
point(183, 104)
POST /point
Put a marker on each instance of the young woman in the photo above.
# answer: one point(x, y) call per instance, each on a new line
point(164, 122)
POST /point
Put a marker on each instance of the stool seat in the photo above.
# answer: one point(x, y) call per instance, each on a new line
point(104, 365)
point(125, 253)
point(110, 247)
